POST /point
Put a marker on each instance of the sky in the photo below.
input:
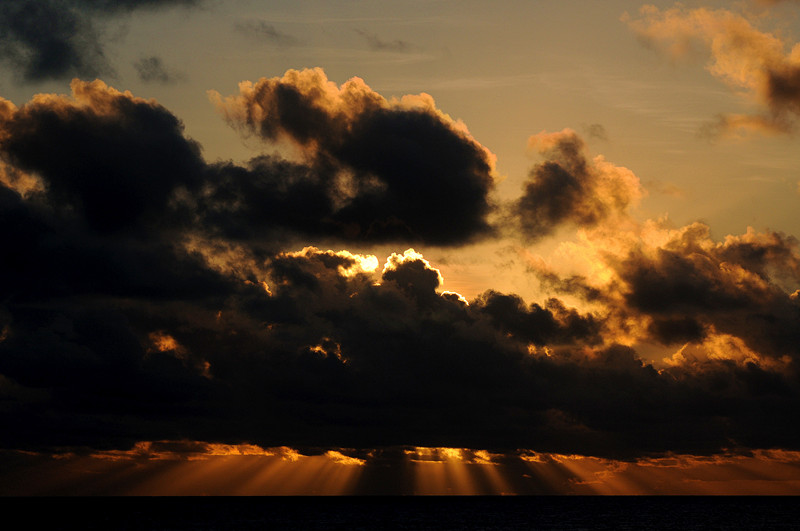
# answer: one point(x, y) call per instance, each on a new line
point(414, 247)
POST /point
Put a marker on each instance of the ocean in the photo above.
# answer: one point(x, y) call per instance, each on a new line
point(407, 513)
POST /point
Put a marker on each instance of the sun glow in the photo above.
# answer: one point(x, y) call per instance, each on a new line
point(198, 468)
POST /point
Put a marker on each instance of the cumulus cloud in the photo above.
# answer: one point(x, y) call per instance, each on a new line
point(152, 296)
point(103, 166)
point(569, 189)
point(679, 286)
point(690, 284)
point(760, 64)
point(385, 169)
point(73, 42)
point(110, 157)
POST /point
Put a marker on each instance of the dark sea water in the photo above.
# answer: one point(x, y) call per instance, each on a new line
point(355, 513)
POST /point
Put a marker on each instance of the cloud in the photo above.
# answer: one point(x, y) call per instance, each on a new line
point(152, 296)
point(261, 30)
point(73, 42)
point(375, 169)
point(678, 286)
point(111, 158)
point(552, 324)
point(70, 47)
point(567, 188)
point(377, 44)
point(690, 284)
point(152, 70)
point(743, 57)
point(596, 131)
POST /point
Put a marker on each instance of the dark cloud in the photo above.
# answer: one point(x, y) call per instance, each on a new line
point(673, 330)
point(399, 170)
point(114, 160)
point(375, 43)
point(153, 70)
point(687, 286)
point(328, 357)
point(783, 89)
point(151, 296)
point(567, 188)
point(261, 30)
point(52, 39)
point(104, 219)
point(540, 326)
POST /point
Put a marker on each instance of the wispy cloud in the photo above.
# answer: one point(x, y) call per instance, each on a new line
point(756, 62)
point(152, 69)
point(376, 43)
point(261, 30)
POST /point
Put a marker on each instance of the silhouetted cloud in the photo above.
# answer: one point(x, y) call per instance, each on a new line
point(152, 296)
point(688, 285)
point(567, 188)
point(51, 39)
point(103, 155)
point(679, 286)
point(375, 170)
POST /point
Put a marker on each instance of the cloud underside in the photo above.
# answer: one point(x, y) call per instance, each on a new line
point(151, 295)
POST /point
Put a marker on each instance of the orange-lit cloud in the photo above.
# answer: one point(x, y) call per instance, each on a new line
point(390, 169)
point(17, 180)
point(153, 296)
point(677, 285)
point(569, 189)
point(163, 342)
point(328, 106)
point(353, 264)
point(758, 63)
